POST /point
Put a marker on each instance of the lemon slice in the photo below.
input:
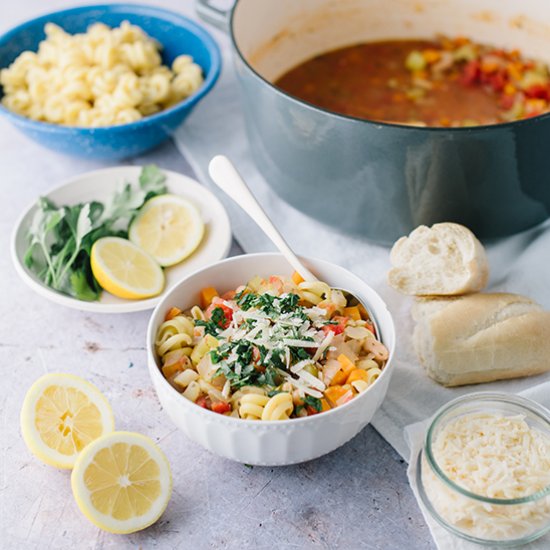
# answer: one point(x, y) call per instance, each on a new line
point(169, 228)
point(122, 482)
point(123, 269)
point(61, 414)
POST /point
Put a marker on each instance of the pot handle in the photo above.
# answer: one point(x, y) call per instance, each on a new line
point(211, 14)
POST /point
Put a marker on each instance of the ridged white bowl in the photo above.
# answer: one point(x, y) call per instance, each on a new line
point(271, 443)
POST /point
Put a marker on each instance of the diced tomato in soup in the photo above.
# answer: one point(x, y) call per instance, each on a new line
point(227, 312)
point(336, 328)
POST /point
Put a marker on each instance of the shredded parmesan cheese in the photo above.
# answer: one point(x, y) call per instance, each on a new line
point(493, 456)
point(323, 346)
point(300, 343)
point(300, 365)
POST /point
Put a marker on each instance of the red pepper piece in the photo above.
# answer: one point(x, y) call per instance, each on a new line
point(471, 73)
point(221, 407)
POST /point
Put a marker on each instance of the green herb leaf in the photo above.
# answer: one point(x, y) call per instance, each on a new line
point(313, 402)
point(288, 303)
point(246, 301)
point(81, 287)
point(83, 224)
point(270, 377)
point(299, 354)
point(127, 200)
point(152, 179)
point(220, 353)
point(218, 317)
point(209, 327)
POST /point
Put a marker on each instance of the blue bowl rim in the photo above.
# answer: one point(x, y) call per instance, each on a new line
point(138, 9)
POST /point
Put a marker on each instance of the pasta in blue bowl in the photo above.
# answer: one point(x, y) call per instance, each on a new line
point(106, 81)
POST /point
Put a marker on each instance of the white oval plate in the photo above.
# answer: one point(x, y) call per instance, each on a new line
point(100, 185)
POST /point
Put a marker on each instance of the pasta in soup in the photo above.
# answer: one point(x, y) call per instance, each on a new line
point(273, 349)
point(99, 78)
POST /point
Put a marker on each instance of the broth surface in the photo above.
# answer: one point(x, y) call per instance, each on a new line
point(422, 82)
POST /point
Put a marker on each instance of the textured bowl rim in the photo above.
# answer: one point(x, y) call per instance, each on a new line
point(138, 9)
point(154, 369)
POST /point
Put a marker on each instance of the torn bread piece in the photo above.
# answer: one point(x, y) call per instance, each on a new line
point(444, 260)
point(481, 338)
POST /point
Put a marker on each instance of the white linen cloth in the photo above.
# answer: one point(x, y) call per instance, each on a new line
point(519, 264)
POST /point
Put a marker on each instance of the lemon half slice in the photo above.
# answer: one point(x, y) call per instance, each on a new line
point(168, 227)
point(122, 482)
point(125, 270)
point(61, 414)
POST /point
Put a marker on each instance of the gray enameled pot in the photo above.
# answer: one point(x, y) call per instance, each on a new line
point(382, 180)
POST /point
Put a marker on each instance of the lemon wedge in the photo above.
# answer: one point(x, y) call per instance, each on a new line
point(61, 414)
point(125, 270)
point(168, 227)
point(122, 482)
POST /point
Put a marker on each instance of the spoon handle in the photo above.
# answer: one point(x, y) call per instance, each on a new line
point(227, 178)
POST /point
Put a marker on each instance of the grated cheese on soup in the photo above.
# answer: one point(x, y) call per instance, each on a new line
point(494, 456)
point(272, 349)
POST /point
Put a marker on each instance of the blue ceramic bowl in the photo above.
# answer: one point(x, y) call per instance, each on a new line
point(176, 33)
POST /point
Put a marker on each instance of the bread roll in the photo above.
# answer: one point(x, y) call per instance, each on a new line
point(481, 338)
point(443, 260)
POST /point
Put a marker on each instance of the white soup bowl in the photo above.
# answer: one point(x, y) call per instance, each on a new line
point(269, 443)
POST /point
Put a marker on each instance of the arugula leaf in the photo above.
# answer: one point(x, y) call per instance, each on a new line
point(45, 220)
point(81, 287)
point(83, 224)
point(127, 200)
point(79, 225)
point(152, 179)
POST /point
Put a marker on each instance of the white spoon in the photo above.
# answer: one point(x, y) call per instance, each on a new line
point(227, 178)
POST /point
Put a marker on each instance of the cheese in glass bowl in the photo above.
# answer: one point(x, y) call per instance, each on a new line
point(484, 471)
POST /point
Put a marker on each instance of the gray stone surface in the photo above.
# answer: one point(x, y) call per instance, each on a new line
point(356, 497)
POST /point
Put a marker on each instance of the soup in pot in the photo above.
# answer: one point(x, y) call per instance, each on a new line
point(442, 82)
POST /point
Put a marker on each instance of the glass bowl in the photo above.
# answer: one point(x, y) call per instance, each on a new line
point(491, 521)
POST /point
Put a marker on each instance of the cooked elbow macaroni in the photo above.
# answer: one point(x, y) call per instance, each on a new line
point(271, 350)
point(99, 78)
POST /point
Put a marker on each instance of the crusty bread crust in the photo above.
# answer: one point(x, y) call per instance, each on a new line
point(481, 338)
point(444, 260)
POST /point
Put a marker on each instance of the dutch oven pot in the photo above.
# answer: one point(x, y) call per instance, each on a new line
point(382, 180)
